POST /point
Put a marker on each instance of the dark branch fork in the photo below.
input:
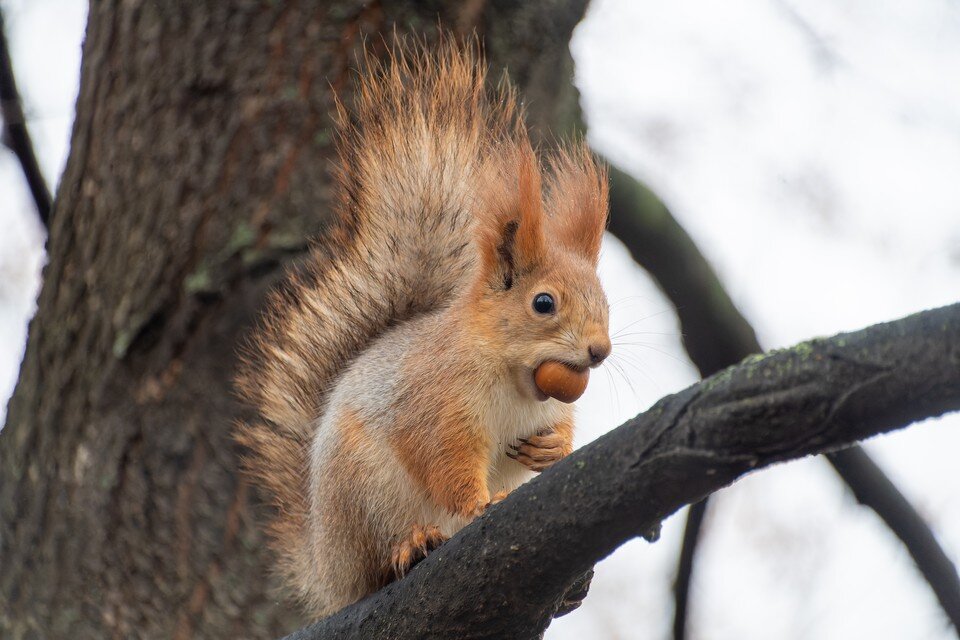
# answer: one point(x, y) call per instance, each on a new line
point(505, 574)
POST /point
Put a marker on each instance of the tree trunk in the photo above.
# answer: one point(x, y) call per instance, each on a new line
point(198, 167)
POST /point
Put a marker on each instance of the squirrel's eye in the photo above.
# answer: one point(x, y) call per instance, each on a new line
point(543, 303)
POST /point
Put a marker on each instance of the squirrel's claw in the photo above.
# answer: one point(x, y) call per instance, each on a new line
point(497, 497)
point(408, 552)
point(538, 452)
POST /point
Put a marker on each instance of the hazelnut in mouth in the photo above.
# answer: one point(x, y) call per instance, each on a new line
point(561, 381)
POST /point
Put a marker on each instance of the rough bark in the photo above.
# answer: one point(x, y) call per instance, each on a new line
point(198, 166)
point(514, 563)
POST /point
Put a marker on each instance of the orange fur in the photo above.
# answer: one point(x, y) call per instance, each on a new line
point(577, 194)
point(452, 464)
point(510, 234)
point(564, 429)
point(394, 372)
point(542, 450)
point(410, 550)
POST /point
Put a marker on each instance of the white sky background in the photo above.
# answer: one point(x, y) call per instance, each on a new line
point(812, 148)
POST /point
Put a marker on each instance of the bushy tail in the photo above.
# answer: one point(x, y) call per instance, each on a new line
point(412, 150)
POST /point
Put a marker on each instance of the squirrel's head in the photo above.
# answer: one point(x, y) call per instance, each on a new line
point(539, 238)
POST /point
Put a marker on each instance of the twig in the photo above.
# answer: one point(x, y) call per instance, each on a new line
point(717, 335)
point(503, 575)
point(870, 486)
point(681, 584)
point(16, 136)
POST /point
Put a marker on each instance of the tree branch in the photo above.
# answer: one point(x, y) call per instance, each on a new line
point(688, 549)
point(715, 335)
point(503, 575)
point(871, 487)
point(16, 136)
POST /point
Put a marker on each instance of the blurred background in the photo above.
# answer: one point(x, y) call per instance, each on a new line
point(812, 149)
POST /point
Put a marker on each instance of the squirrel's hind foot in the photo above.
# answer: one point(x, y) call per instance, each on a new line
point(414, 548)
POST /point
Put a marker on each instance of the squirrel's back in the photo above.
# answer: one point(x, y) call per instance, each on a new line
point(413, 150)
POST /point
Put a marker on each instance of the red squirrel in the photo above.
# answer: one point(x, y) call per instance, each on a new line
point(407, 377)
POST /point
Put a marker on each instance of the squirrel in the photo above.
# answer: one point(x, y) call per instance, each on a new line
point(397, 373)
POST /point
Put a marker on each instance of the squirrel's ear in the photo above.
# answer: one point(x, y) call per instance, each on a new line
point(510, 225)
point(577, 199)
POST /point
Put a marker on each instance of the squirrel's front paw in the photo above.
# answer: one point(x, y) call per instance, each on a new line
point(540, 451)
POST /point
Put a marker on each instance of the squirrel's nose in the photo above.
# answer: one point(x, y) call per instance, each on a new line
point(598, 351)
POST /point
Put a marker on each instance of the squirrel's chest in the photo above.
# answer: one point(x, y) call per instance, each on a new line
point(508, 420)
point(509, 416)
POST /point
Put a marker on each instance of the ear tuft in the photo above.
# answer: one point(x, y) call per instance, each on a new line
point(510, 224)
point(577, 199)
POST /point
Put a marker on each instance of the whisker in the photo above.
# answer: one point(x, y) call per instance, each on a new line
point(649, 317)
point(617, 365)
point(612, 390)
point(636, 366)
point(645, 345)
point(631, 298)
point(613, 368)
point(672, 334)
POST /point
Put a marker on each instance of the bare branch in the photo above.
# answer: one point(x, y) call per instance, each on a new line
point(688, 549)
point(15, 134)
point(504, 575)
point(716, 335)
point(872, 488)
